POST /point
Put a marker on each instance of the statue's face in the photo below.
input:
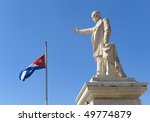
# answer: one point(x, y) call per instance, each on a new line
point(95, 17)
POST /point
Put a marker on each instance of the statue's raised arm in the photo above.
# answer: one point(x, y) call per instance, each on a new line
point(84, 31)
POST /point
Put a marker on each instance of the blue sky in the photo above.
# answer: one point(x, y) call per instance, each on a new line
point(26, 24)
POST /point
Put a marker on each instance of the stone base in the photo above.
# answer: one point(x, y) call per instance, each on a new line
point(111, 91)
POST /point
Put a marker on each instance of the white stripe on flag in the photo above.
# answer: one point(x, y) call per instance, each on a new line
point(23, 75)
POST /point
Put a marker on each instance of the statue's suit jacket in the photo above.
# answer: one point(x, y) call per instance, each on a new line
point(100, 36)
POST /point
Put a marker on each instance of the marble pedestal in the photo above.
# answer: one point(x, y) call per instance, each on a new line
point(111, 91)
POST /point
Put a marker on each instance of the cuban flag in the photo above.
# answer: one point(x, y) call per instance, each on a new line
point(36, 65)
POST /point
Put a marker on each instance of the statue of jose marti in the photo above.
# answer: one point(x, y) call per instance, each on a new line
point(104, 52)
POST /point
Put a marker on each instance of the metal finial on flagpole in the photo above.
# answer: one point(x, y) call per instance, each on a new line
point(46, 76)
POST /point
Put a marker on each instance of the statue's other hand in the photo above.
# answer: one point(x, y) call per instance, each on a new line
point(76, 30)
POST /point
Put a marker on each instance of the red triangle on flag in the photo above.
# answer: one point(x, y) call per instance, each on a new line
point(41, 61)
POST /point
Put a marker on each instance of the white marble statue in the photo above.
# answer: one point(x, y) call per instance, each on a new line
point(104, 52)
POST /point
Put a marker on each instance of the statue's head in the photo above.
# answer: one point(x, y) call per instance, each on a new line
point(95, 16)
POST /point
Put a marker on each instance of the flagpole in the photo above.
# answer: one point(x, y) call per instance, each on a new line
point(46, 76)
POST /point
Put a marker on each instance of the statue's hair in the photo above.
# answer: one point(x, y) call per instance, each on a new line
point(96, 12)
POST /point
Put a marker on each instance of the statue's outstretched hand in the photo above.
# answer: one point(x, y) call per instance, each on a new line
point(76, 30)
